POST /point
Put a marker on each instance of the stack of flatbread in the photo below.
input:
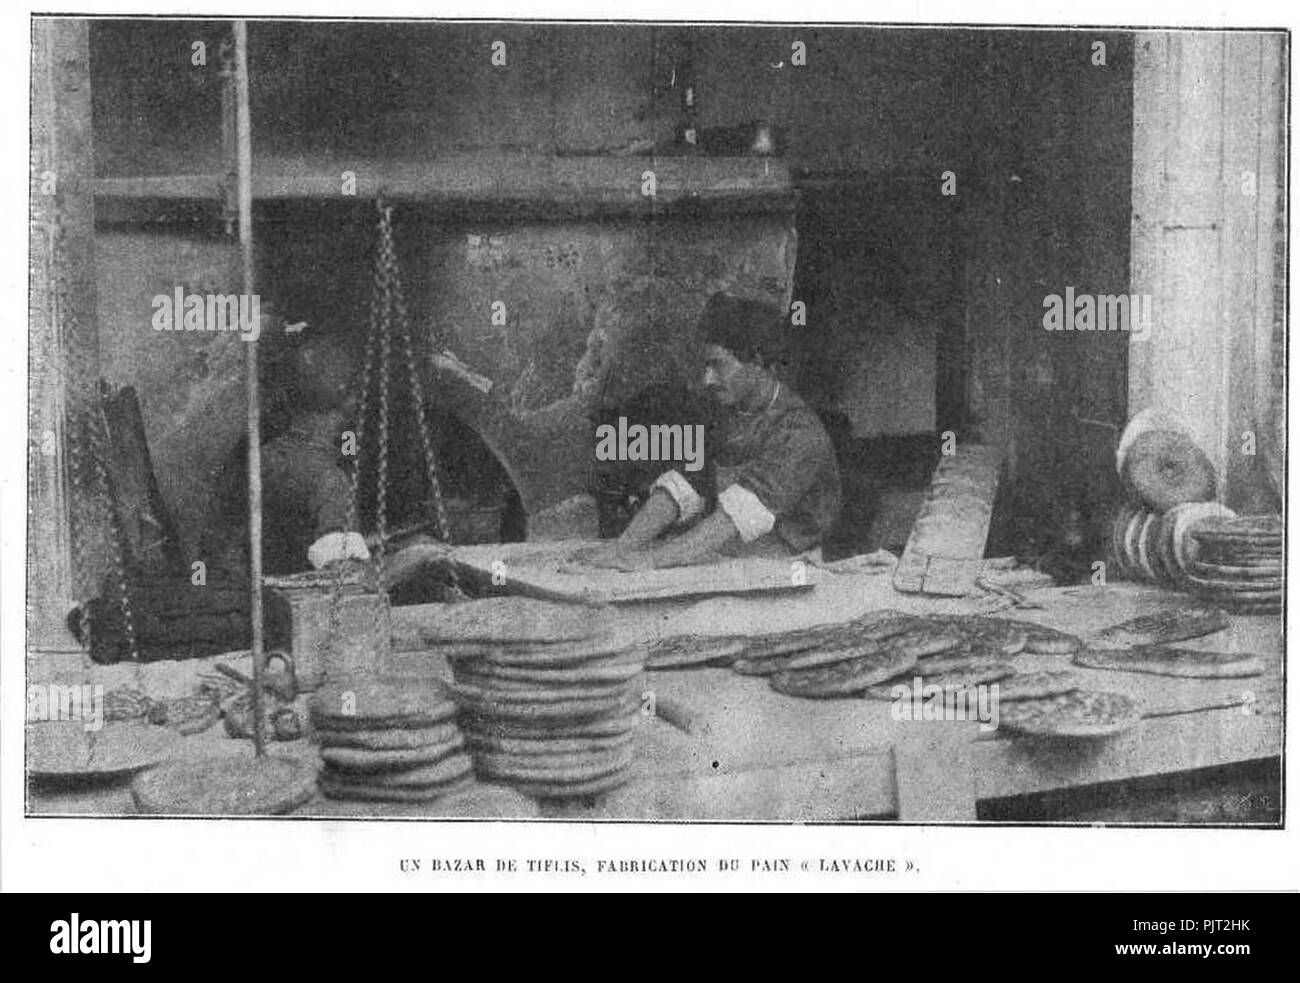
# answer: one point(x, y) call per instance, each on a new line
point(389, 741)
point(548, 693)
point(1239, 563)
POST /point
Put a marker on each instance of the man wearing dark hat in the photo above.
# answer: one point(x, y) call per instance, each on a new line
point(306, 492)
point(777, 481)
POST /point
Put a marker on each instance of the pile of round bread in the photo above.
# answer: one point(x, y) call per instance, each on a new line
point(872, 654)
point(1239, 563)
point(388, 741)
point(1159, 547)
point(548, 693)
point(1170, 486)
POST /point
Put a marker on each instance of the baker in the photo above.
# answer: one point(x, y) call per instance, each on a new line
point(778, 486)
point(306, 489)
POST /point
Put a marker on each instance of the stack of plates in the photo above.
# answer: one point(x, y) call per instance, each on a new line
point(1239, 563)
point(389, 742)
point(548, 694)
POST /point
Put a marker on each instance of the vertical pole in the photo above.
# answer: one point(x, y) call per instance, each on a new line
point(245, 148)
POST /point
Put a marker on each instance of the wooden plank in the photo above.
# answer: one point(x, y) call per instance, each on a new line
point(763, 183)
point(1164, 745)
point(933, 773)
point(944, 554)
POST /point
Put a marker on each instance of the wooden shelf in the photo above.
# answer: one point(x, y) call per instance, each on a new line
point(528, 181)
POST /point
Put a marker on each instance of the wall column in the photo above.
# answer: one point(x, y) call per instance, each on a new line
point(1208, 110)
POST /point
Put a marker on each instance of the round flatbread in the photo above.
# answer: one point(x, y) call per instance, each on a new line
point(574, 655)
point(478, 692)
point(573, 790)
point(1041, 640)
point(367, 760)
point(984, 636)
point(1038, 685)
point(1078, 713)
point(229, 785)
point(491, 706)
point(1146, 555)
point(367, 704)
point(844, 678)
point(1119, 532)
point(336, 788)
point(691, 650)
point(510, 621)
point(474, 679)
point(549, 746)
point(478, 730)
point(761, 667)
point(1230, 586)
point(1250, 529)
point(1165, 660)
point(917, 643)
point(433, 773)
point(390, 740)
point(958, 675)
point(586, 673)
point(556, 769)
point(1166, 468)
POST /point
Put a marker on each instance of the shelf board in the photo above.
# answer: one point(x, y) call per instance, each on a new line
point(527, 181)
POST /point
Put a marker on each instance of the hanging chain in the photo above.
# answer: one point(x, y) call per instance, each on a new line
point(393, 318)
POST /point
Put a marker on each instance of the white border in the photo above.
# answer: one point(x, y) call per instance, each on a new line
point(106, 855)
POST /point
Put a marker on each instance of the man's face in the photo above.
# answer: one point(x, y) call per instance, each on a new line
point(728, 379)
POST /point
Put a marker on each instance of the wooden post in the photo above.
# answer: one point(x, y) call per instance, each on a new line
point(64, 360)
point(245, 148)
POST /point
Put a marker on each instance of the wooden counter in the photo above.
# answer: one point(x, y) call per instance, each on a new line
point(755, 754)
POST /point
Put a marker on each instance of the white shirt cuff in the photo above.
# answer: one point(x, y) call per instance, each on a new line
point(689, 502)
point(335, 546)
point(750, 516)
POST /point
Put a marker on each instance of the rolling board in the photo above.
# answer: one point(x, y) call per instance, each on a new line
point(945, 551)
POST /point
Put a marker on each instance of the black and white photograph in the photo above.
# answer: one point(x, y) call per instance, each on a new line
point(649, 421)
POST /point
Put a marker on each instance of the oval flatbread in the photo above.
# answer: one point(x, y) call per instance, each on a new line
point(1165, 660)
point(1174, 625)
point(1078, 713)
point(843, 678)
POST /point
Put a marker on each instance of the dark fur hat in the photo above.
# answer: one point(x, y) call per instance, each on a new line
point(751, 330)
